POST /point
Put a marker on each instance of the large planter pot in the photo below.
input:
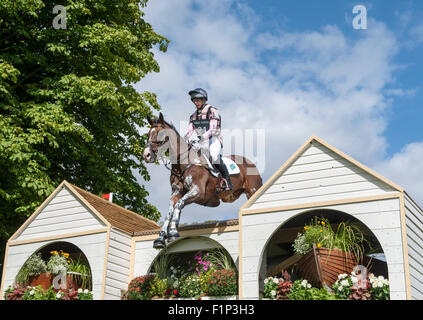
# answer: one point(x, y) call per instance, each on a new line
point(321, 266)
point(44, 280)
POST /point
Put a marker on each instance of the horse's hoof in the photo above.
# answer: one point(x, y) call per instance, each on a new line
point(159, 244)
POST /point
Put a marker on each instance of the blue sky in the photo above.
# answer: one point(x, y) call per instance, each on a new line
point(296, 68)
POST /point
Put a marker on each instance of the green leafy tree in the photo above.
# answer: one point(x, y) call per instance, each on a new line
point(67, 106)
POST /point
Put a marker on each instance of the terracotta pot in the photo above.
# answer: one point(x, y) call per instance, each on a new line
point(44, 279)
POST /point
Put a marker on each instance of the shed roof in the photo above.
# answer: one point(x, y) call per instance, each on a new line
point(116, 215)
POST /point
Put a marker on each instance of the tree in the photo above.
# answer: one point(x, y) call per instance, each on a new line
point(67, 106)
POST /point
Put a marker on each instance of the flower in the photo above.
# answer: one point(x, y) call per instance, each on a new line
point(273, 293)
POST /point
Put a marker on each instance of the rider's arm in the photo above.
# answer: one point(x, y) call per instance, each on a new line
point(214, 128)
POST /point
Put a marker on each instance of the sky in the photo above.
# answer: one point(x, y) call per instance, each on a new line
point(295, 69)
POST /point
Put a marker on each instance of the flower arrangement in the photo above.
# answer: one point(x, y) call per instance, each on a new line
point(379, 287)
point(349, 287)
point(223, 282)
point(303, 290)
point(190, 287)
point(58, 262)
point(343, 287)
point(34, 266)
point(140, 288)
point(38, 293)
point(270, 286)
point(348, 237)
point(190, 275)
point(200, 263)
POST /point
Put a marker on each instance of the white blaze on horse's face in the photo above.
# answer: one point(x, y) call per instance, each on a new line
point(149, 154)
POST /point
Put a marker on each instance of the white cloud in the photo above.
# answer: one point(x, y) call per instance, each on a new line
point(319, 82)
point(405, 169)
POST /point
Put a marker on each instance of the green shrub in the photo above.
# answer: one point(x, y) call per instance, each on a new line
point(159, 287)
point(32, 267)
point(302, 290)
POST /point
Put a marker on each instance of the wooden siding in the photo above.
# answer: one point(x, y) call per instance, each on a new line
point(414, 226)
point(381, 216)
point(118, 264)
point(92, 245)
point(318, 175)
point(63, 214)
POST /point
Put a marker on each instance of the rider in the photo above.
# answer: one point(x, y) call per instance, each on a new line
point(205, 123)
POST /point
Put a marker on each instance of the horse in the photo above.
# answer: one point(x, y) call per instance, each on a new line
point(191, 177)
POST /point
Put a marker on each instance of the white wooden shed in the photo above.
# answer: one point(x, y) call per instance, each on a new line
point(100, 229)
point(319, 178)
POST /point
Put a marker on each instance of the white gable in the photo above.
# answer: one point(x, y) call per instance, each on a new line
point(63, 214)
point(319, 174)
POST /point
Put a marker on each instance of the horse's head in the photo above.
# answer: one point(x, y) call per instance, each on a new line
point(156, 138)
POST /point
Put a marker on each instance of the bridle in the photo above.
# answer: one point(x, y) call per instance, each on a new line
point(159, 144)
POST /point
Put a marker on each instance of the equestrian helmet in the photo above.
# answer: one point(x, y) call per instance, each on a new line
point(198, 93)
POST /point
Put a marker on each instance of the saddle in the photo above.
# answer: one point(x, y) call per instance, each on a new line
point(230, 165)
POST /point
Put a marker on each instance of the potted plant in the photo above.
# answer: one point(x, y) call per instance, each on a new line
point(33, 272)
point(323, 249)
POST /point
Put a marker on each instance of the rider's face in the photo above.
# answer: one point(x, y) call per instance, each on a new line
point(198, 102)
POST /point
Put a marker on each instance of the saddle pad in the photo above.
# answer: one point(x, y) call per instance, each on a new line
point(231, 165)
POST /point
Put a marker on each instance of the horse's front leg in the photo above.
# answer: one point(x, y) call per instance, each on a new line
point(160, 242)
point(192, 194)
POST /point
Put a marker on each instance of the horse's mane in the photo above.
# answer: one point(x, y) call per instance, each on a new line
point(156, 121)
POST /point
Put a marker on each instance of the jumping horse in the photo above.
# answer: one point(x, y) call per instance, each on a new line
point(191, 177)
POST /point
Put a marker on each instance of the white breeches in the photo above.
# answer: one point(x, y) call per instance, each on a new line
point(214, 149)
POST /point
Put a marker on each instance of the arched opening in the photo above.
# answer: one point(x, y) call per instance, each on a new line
point(185, 250)
point(195, 267)
point(279, 254)
point(53, 259)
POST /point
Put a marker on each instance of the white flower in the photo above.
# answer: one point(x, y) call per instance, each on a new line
point(340, 288)
point(86, 291)
point(58, 295)
point(342, 276)
point(304, 283)
point(345, 283)
point(308, 285)
point(266, 280)
point(275, 280)
point(374, 284)
point(79, 290)
point(380, 284)
point(32, 292)
point(171, 268)
point(273, 293)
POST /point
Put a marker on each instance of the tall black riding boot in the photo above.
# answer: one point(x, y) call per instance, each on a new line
point(225, 174)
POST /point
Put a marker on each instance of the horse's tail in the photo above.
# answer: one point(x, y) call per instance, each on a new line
point(252, 178)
